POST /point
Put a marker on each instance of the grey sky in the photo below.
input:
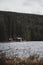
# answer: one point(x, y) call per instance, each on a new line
point(24, 6)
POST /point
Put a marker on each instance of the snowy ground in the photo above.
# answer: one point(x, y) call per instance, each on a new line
point(22, 48)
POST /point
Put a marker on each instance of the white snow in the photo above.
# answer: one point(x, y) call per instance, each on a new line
point(22, 48)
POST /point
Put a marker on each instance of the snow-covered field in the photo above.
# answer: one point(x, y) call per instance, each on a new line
point(22, 48)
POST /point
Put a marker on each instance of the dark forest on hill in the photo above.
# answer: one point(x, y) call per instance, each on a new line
point(27, 26)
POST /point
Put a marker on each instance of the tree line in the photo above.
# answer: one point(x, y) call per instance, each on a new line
point(28, 26)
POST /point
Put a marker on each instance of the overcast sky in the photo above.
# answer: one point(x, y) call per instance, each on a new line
point(24, 6)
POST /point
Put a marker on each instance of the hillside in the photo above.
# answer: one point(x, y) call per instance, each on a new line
point(27, 26)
